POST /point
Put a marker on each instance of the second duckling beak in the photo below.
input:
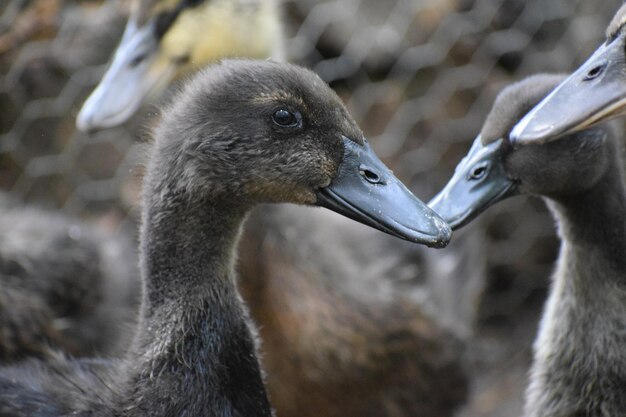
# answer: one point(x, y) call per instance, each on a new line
point(366, 190)
point(594, 93)
point(479, 181)
point(135, 72)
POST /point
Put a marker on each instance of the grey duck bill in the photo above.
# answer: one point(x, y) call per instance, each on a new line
point(367, 191)
point(594, 93)
point(479, 181)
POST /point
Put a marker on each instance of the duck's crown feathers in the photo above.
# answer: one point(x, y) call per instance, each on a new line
point(514, 102)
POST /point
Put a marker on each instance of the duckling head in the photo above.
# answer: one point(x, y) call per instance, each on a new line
point(494, 169)
point(167, 38)
point(248, 132)
point(595, 92)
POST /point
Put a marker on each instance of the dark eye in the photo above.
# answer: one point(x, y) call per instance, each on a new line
point(595, 72)
point(478, 172)
point(137, 60)
point(285, 118)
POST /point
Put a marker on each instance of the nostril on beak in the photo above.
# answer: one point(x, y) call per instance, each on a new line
point(369, 175)
point(595, 72)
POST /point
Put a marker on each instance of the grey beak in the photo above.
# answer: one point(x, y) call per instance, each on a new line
point(366, 190)
point(132, 76)
point(479, 181)
point(594, 93)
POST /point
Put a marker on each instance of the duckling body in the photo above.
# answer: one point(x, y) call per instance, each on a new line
point(354, 329)
point(63, 284)
point(579, 363)
point(194, 351)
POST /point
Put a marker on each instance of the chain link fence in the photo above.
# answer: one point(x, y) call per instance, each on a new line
point(418, 75)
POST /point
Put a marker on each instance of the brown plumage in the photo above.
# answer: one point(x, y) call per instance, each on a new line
point(342, 332)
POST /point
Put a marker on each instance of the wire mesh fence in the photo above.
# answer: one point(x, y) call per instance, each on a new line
point(418, 75)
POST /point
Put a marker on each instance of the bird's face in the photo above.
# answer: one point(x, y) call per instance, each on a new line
point(268, 132)
point(594, 93)
point(567, 166)
point(167, 38)
point(494, 169)
point(479, 181)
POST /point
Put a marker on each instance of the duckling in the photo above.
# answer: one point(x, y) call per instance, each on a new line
point(595, 92)
point(63, 284)
point(579, 363)
point(167, 38)
point(242, 133)
point(426, 344)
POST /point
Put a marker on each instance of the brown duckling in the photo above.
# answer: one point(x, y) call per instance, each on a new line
point(242, 133)
point(356, 329)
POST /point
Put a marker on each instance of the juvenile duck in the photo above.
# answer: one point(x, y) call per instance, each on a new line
point(167, 38)
point(595, 92)
point(579, 364)
point(338, 319)
point(240, 134)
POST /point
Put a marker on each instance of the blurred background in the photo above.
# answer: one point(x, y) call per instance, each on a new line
point(418, 75)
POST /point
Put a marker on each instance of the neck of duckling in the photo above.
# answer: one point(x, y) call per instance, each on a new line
point(188, 250)
point(592, 227)
point(581, 337)
point(195, 353)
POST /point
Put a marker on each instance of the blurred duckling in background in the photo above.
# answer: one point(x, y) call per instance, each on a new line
point(165, 39)
point(63, 284)
point(355, 323)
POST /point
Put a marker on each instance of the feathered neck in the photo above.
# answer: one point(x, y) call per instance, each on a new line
point(195, 352)
point(592, 223)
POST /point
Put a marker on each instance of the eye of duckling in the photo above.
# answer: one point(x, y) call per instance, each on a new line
point(479, 171)
point(138, 59)
point(595, 72)
point(286, 118)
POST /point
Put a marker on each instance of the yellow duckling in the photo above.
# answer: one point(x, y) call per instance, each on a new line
point(167, 38)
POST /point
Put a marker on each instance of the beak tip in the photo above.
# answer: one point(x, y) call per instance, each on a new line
point(518, 135)
point(84, 121)
point(439, 237)
point(439, 242)
point(530, 130)
point(537, 136)
point(444, 239)
point(82, 126)
point(89, 122)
